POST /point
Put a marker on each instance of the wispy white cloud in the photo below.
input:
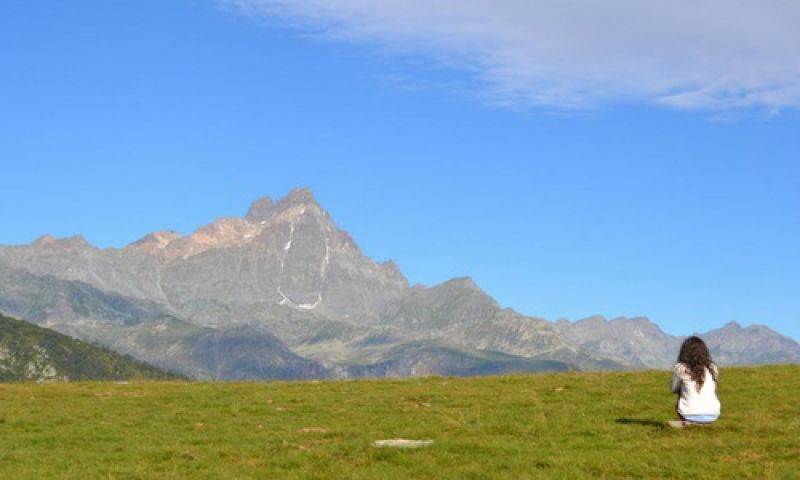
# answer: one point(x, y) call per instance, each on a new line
point(717, 55)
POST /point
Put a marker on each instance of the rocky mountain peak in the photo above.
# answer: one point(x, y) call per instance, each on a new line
point(155, 242)
point(391, 265)
point(734, 344)
point(641, 323)
point(300, 206)
point(633, 341)
point(589, 323)
point(297, 212)
point(261, 210)
point(465, 292)
point(299, 199)
point(299, 196)
point(46, 239)
point(160, 238)
point(222, 233)
point(732, 325)
point(463, 282)
point(75, 241)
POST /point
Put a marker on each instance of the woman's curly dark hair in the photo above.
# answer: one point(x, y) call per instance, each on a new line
point(694, 354)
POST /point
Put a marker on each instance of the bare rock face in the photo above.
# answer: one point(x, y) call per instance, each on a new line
point(293, 257)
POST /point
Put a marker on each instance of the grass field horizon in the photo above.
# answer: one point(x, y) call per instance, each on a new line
point(564, 425)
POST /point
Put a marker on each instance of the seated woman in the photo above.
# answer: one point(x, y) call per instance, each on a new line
point(694, 379)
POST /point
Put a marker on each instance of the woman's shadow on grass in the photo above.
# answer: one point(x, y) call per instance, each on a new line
point(643, 422)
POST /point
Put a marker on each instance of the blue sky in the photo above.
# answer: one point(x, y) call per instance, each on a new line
point(565, 181)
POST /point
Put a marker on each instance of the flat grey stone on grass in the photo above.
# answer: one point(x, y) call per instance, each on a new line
point(401, 443)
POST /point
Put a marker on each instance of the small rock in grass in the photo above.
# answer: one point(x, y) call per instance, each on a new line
point(401, 443)
point(313, 430)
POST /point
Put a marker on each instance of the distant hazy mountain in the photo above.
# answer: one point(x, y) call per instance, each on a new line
point(755, 344)
point(631, 341)
point(641, 343)
point(284, 293)
point(32, 353)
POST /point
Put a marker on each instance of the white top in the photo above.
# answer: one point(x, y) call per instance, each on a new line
point(692, 402)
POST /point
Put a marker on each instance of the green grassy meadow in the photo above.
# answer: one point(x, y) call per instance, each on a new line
point(567, 425)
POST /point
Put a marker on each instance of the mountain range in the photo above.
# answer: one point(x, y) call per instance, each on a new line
point(284, 293)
